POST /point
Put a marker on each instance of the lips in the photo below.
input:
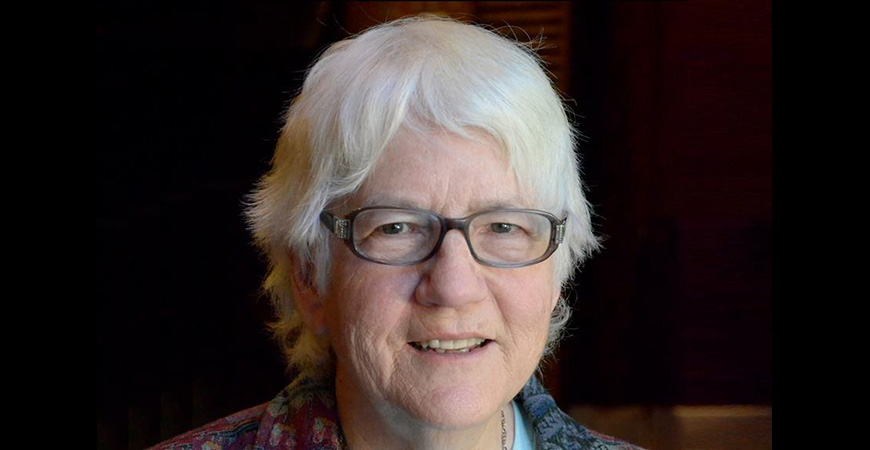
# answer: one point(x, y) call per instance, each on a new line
point(450, 346)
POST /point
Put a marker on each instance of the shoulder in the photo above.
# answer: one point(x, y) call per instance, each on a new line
point(303, 415)
point(554, 429)
point(237, 431)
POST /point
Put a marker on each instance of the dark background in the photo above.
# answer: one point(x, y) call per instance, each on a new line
point(674, 98)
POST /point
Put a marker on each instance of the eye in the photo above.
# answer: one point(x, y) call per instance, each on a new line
point(395, 228)
point(501, 227)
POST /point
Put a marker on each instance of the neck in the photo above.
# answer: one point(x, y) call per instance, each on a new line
point(369, 426)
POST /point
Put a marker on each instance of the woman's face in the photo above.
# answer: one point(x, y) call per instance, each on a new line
point(377, 315)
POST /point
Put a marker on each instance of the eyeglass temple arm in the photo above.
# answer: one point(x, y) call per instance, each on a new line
point(338, 226)
point(560, 231)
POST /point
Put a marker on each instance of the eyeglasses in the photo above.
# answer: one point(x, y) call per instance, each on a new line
point(406, 236)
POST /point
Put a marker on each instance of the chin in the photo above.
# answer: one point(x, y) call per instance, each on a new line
point(455, 408)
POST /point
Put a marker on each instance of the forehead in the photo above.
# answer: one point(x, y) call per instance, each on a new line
point(445, 173)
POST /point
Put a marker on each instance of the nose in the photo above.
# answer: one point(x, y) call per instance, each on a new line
point(452, 278)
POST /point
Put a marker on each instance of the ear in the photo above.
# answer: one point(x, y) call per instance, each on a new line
point(309, 301)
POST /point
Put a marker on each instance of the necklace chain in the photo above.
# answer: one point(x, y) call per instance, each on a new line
point(503, 432)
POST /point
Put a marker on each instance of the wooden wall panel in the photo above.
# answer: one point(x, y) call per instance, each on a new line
point(678, 307)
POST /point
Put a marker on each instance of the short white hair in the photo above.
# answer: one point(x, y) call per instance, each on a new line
point(425, 75)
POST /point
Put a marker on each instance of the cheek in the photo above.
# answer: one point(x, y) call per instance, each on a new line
point(527, 305)
point(533, 290)
point(368, 307)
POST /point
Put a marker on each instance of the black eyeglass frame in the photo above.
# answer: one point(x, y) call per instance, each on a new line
point(343, 229)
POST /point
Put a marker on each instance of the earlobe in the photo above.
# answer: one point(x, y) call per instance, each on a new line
point(308, 300)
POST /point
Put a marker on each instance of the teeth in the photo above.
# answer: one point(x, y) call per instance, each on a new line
point(457, 346)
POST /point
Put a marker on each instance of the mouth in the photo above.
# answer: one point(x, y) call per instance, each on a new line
point(450, 346)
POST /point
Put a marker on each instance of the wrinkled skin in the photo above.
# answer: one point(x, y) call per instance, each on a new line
point(390, 392)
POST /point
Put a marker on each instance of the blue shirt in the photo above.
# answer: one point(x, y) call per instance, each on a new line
point(524, 437)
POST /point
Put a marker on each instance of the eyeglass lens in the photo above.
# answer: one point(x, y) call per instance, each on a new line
point(400, 236)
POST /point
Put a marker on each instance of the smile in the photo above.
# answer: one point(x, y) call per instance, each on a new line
point(448, 346)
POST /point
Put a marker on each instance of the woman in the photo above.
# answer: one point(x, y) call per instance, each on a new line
point(421, 216)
